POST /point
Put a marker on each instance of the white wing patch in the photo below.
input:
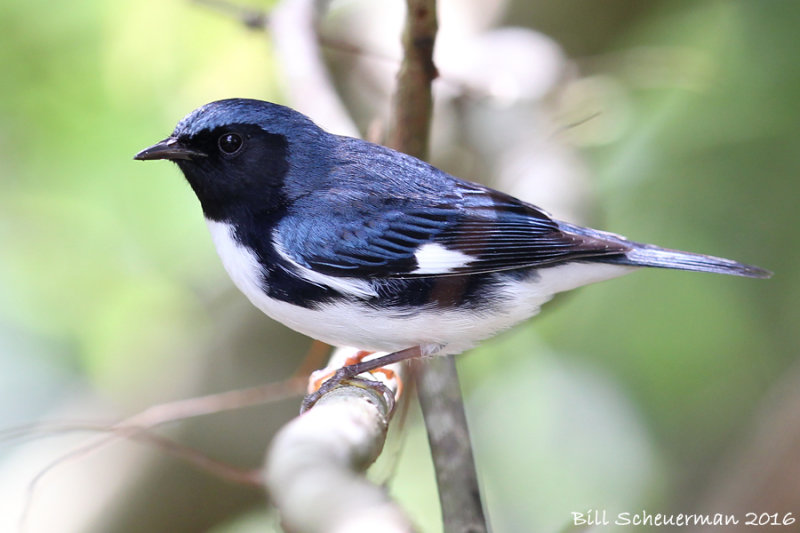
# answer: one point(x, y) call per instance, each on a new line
point(433, 258)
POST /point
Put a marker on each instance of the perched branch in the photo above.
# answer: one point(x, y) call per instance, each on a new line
point(314, 467)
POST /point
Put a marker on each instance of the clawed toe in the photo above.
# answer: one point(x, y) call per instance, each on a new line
point(341, 378)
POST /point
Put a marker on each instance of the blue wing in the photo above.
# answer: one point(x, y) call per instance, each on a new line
point(381, 224)
point(376, 213)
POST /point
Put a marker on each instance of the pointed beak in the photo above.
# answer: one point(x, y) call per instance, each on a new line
point(170, 148)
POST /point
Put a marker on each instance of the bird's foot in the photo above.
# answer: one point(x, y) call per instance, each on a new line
point(318, 377)
point(338, 380)
point(379, 378)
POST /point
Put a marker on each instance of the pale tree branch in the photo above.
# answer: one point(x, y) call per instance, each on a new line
point(314, 470)
point(315, 464)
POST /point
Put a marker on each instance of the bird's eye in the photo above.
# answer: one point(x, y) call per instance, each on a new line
point(230, 143)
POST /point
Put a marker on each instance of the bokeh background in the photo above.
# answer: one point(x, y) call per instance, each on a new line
point(668, 121)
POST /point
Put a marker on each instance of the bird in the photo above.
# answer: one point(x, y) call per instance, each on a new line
point(355, 244)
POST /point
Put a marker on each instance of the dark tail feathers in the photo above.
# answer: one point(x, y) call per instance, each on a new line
point(649, 255)
point(653, 256)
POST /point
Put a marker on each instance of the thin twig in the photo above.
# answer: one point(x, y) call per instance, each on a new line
point(413, 102)
point(187, 454)
point(451, 448)
point(138, 427)
point(216, 403)
point(184, 453)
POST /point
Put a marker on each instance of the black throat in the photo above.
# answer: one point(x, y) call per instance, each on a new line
point(248, 184)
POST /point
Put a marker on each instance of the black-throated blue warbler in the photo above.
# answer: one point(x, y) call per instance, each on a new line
point(358, 245)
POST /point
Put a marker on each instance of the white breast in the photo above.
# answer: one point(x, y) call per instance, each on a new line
point(240, 263)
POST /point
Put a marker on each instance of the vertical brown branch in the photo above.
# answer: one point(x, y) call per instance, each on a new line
point(451, 447)
point(438, 385)
point(413, 103)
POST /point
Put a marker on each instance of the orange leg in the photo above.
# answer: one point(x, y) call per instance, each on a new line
point(351, 371)
point(357, 358)
point(391, 374)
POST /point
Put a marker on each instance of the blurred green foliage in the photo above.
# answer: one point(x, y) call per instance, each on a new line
point(707, 163)
point(97, 250)
point(106, 270)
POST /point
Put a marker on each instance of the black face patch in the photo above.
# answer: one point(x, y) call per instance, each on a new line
point(244, 170)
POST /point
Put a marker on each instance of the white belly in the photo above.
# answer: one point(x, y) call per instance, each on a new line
point(356, 324)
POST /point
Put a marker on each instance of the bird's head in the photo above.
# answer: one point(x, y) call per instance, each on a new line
point(237, 153)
